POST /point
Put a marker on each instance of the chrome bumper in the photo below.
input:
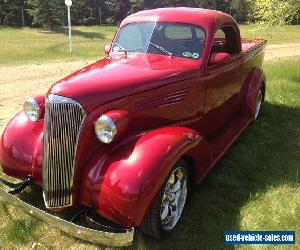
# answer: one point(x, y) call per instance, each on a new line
point(99, 237)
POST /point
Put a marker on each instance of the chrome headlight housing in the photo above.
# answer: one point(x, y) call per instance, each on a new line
point(32, 109)
point(105, 129)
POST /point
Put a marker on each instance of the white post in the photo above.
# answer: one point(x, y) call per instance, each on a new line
point(70, 28)
point(69, 4)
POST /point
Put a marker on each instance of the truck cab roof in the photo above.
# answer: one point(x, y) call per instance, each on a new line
point(207, 19)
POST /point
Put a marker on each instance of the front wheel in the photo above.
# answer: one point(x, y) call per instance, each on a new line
point(170, 203)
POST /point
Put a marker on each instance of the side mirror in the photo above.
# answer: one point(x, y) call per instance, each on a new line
point(107, 48)
point(219, 58)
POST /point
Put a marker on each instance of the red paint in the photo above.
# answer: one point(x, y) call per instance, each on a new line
point(129, 180)
point(116, 77)
point(21, 148)
point(165, 108)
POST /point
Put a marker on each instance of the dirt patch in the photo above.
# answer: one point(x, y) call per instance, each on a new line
point(17, 83)
point(277, 51)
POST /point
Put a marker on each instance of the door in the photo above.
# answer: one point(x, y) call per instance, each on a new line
point(223, 80)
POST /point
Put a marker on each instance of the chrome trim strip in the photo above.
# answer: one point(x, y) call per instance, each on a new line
point(83, 233)
point(63, 122)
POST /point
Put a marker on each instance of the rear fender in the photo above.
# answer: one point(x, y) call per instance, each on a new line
point(123, 184)
point(252, 85)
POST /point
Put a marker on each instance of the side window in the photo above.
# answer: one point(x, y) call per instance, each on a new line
point(226, 40)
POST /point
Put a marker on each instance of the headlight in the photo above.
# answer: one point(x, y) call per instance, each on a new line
point(105, 129)
point(31, 109)
point(111, 125)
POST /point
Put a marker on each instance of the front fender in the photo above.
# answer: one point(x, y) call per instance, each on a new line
point(123, 187)
point(21, 148)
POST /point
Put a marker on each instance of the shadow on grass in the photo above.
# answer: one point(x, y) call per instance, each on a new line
point(266, 155)
point(75, 32)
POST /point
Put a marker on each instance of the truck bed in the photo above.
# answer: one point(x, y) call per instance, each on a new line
point(249, 45)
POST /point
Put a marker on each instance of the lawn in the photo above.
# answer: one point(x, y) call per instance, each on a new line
point(255, 187)
point(30, 45)
point(274, 35)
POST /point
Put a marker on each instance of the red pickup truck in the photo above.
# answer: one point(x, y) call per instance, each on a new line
point(124, 140)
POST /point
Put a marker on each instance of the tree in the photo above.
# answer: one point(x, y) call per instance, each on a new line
point(46, 13)
point(239, 9)
point(11, 12)
point(274, 12)
point(80, 11)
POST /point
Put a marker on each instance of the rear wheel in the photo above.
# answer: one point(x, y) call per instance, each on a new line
point(169, 205)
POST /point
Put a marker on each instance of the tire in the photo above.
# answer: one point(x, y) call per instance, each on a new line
point(157, 223)
point(259, 101)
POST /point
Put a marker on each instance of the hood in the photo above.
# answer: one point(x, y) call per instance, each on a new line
point(118, 76)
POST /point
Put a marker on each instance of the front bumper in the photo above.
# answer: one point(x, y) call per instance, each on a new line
point(99, 237)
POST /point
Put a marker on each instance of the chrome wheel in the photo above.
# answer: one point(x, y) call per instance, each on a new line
point(174, 198)
point(258, 103)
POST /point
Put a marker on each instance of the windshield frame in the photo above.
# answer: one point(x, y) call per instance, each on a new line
point(166, 54)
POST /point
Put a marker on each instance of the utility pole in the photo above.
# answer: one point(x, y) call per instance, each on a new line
point(69, 4)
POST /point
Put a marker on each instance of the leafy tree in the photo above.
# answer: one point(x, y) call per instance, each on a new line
point(11, 12)
point(274, 12)
point(115, 11)
point(239, 9)
point(46, 13)
point(80, 11)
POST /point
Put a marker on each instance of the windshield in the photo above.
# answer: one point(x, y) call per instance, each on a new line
point(173, 39)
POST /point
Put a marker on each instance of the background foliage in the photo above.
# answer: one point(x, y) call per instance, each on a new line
point(275, 11)
point(53, 12)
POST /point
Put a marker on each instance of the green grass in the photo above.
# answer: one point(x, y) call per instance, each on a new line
point(274, 35)
point(30, 45)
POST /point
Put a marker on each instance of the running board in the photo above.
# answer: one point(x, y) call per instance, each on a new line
point(221, 141)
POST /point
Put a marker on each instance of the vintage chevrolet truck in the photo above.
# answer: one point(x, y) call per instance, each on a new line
point(124, 140)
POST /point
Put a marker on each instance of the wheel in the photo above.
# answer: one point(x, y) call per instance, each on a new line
point(170, 203)
point(259, 100)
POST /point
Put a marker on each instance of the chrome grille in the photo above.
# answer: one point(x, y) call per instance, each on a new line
point(62, 123)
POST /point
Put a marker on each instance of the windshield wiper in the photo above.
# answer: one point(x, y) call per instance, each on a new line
point(161, 49)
